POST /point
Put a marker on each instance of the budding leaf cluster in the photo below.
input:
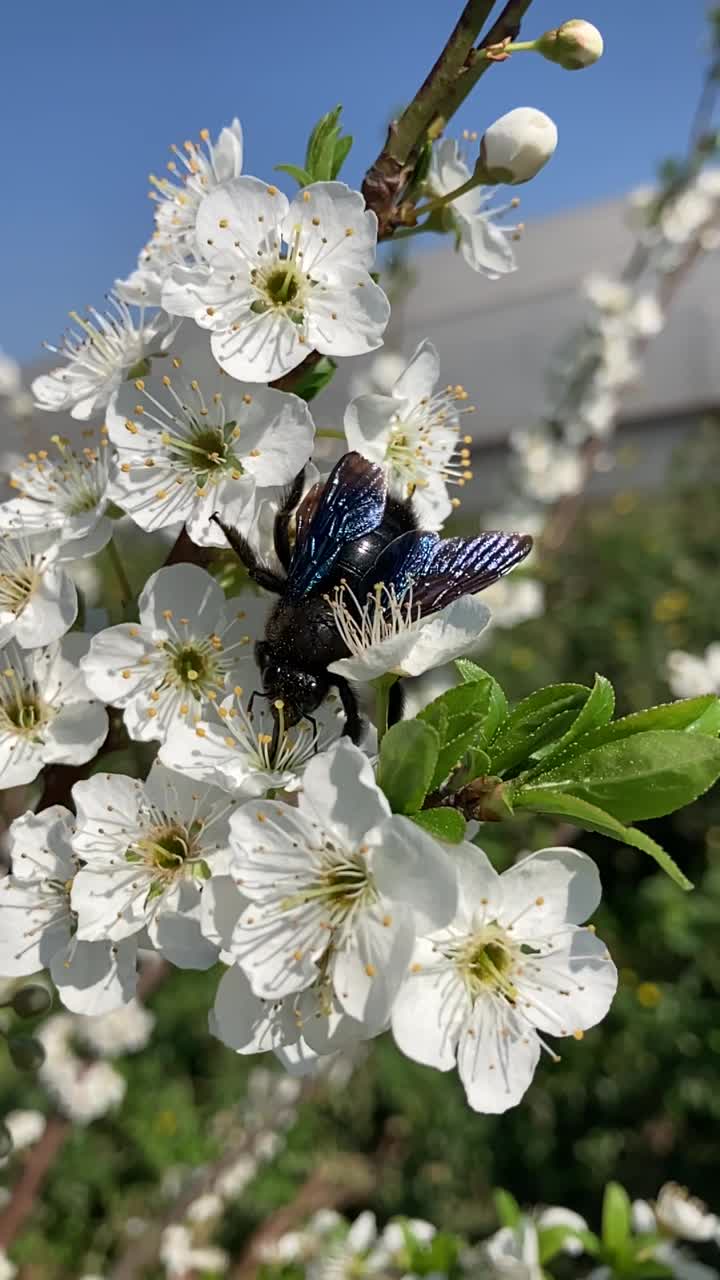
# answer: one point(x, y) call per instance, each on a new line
point(326, 152)
point(557, 752)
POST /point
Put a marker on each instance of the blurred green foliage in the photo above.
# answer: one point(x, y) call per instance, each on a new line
point(637, 1101)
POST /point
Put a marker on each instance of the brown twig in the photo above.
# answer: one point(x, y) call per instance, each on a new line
point(446, 86)
point(345, 1180)
point(43, 1155)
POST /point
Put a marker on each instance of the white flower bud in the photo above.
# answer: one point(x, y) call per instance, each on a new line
point(574, 45)
point(516, 146)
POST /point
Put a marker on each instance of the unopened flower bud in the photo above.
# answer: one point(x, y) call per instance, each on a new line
point(26, 1053)
point(6, 1142)
point(516, 146)
point(31, 1001)
point(574, 45)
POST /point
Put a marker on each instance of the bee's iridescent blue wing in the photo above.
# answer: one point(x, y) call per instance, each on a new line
point(404, 560)
point(462, 566)
point(351, 504)
point(440, 571)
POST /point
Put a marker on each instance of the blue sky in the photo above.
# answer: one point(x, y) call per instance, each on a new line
point(97, 92)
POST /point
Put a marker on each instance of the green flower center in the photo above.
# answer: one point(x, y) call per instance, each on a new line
point(486, 961)
point(207, 450)
point(282, 285)
point(190, 665)
point(23, 712)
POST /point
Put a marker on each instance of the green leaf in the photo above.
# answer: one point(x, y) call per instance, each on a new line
point(459, 717)
point(444, 824)
point(645, 776)
point(476, 764)
point(597, 712)
point(616, 1217)
point(324, 157)
point(326, 125)
point(689, 715)
point(506, 1207)
point(592, 818)
point(498, 706)
point(544, 717)
point(551, 1241)
point(408, 756)
point(315, 379)
point(301, 176)
point(342, 148)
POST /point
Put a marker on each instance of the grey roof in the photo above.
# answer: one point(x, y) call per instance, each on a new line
point(497, 338)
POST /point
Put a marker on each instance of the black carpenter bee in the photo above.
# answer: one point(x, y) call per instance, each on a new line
point(350, 534)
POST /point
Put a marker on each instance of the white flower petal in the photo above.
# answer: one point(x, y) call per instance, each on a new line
point(414, 870)
point(497, 1056)
point(430, 1010)
point(340, 792)
point(95, 977)
point(562, 886)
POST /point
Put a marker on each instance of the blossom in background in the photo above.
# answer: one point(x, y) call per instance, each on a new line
point(47, 713)
point(37, 929)
point(148, 848)
point(191, 441)
point(280, 279)
point(190, 648)
point(551, 469)
point(515, 600)
point(513, 1253)
point(337, 890)
point(378, 375)
point(386, 634)
point(512, 965)
point(67, 494)
point(690, 676)
point(231, 747)
point(25, 1128)
point(83, 1091)
point(180, 1256)
point(38, 598)
point(677, 1214)
point(484, 241)
point(99, 353)
point(414, 434)
point(126, 1029)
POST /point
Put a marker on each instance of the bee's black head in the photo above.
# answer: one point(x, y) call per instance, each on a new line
point(300, 692)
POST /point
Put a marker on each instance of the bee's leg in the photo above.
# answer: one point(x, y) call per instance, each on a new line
point(353, 720)
point(259, 573)
point(256, 693)
point(396, 703)
point(281, 536)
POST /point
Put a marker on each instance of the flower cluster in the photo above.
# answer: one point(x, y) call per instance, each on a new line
point(603, 358)
point(250, 822)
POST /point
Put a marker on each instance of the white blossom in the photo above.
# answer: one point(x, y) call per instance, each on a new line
point(194, 172)
point(517, 145)
point(67, 495)
point(515, 600)
point(180, 1256)
point(388, 635)
point(83, 1091)
point(280, 279)
point(513, 1253)
point(191, 441)
point(100, 352)
point(337, 890)
point(689, 676)
point(189, 649)
point(348, 1256)
point(25, 1128)
point(513, 964)
point(485, 243)
point(38, 926)
point(38, 598)
point(148, 848)
point(232, 747)
point(7, 1268)
point(126, 1029)
point(47, 713)
point(414, 434)
point(677, 1214)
